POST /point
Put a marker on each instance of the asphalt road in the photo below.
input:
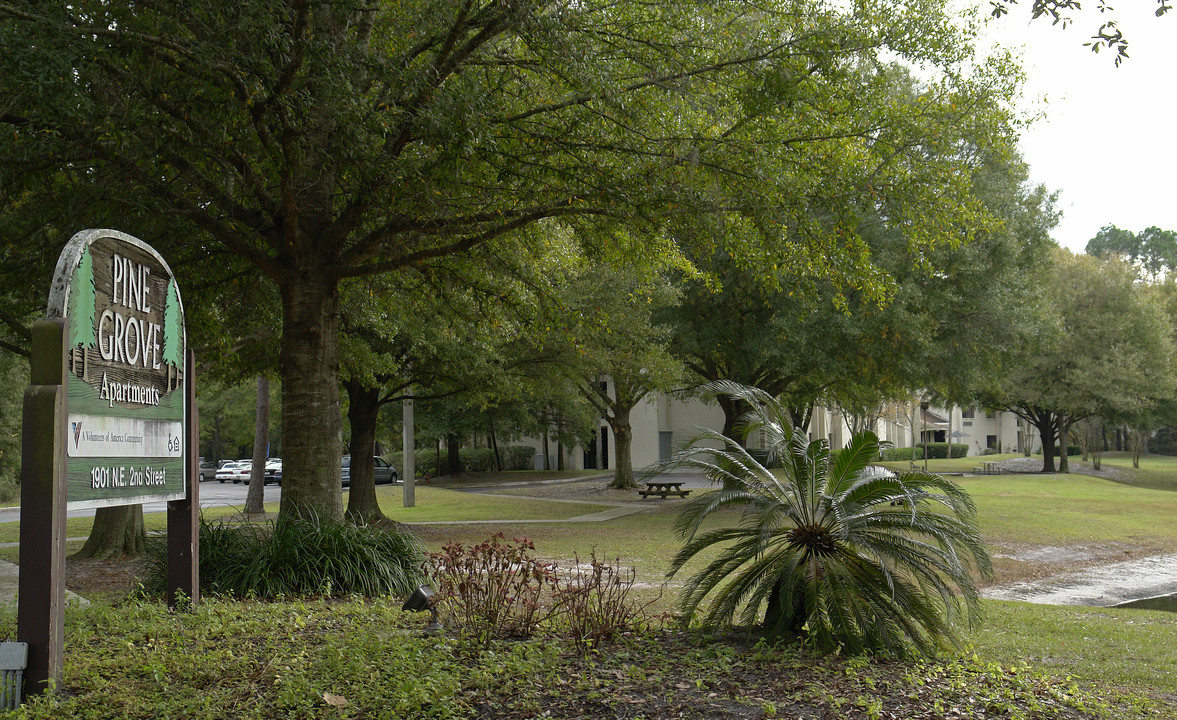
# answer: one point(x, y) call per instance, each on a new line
point(212, 494)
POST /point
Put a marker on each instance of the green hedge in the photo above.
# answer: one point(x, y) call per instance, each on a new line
point(916, 453)
point(941, 450)
point(935, 450)
point(516, 457)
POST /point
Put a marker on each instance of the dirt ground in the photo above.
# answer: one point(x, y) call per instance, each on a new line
point(109, 580)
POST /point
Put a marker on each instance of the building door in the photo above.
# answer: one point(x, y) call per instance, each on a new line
point(590, 455)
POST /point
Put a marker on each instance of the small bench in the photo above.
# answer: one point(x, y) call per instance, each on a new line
point(662, 489)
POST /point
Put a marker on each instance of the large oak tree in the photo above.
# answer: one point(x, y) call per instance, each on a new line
point(320, 141)
point(1105, 347)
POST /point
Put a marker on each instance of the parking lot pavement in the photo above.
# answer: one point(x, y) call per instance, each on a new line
point(212, 494)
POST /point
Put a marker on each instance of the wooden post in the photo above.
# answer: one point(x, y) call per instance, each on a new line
point(41, 600)
point(184, 514)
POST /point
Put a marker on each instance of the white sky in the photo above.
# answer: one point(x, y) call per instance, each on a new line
point(1107, 141)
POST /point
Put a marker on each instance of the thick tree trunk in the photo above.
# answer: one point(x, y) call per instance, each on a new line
point(801, 415)
point(1064, 432)
point(116, 532)
point(547, 457)
point(732, 410)
point(494, 444)
point(623, 447)
point(363, 410)
point(254, 498)
point(312, 427)
point(452, 456)
point(1047, 431)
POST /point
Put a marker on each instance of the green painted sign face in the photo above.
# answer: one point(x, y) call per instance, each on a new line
point(124, 371)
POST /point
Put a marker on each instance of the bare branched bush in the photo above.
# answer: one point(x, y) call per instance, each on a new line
point(596, 604)
point(497, 589)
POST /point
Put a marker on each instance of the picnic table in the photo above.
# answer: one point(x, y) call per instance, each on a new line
point(988, 467)
point(662, 489)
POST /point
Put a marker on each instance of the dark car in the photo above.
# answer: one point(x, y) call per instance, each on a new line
point(273, 471)
point(207, 470)
point(384, 472)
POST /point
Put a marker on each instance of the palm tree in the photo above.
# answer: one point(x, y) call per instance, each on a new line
point(853, 556)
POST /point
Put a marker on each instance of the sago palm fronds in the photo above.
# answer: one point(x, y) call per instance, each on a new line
point(851, 555)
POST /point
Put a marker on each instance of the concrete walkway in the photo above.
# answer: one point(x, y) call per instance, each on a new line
point(9, 585)
point(614, 512)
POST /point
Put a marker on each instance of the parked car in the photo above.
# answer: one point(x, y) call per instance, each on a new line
point(273, 471)
point(240, 474)
point(207, 470)
point(225, 471)
point(384, 472)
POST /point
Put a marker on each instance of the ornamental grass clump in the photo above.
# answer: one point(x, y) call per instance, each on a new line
point(847, 555)
point(302, 557)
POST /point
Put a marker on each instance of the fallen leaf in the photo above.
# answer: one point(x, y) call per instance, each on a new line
point(336, 700)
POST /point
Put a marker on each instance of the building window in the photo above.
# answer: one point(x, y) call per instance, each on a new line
point(968, 413)
point(991, 442)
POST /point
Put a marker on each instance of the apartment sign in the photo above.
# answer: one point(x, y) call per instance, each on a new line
point(124, 373)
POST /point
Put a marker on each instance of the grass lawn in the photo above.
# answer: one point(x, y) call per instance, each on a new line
point(1104, 518)
point(1155, 471)
point(1121, 647)
point(432, 504)
point(1015, 511)
point(435, 504)
point(1113, 649)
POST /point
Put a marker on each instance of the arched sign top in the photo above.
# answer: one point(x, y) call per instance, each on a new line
point(125, 352)
point(71, 256)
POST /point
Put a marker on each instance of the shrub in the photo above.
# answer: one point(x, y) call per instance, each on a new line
point(1163, 442)
point(888, 454)
point(850, 559)
point(1071, 450)
point(594, 603)
point(519, 457)
point(497, 589)
point(940, 450)
point(9, 489)
point(490, 590)
point(297, 558)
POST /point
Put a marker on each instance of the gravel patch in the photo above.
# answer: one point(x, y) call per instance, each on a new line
point(1100, 586)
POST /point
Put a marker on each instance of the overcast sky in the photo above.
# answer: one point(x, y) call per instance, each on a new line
point(1107, 142)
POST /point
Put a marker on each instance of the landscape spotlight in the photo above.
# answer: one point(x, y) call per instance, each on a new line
point(422, 599)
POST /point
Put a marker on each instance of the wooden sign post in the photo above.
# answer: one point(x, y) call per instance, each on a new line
point(109, 420)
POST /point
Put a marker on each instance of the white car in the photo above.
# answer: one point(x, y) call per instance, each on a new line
point(240, 474)
point(225, 471)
